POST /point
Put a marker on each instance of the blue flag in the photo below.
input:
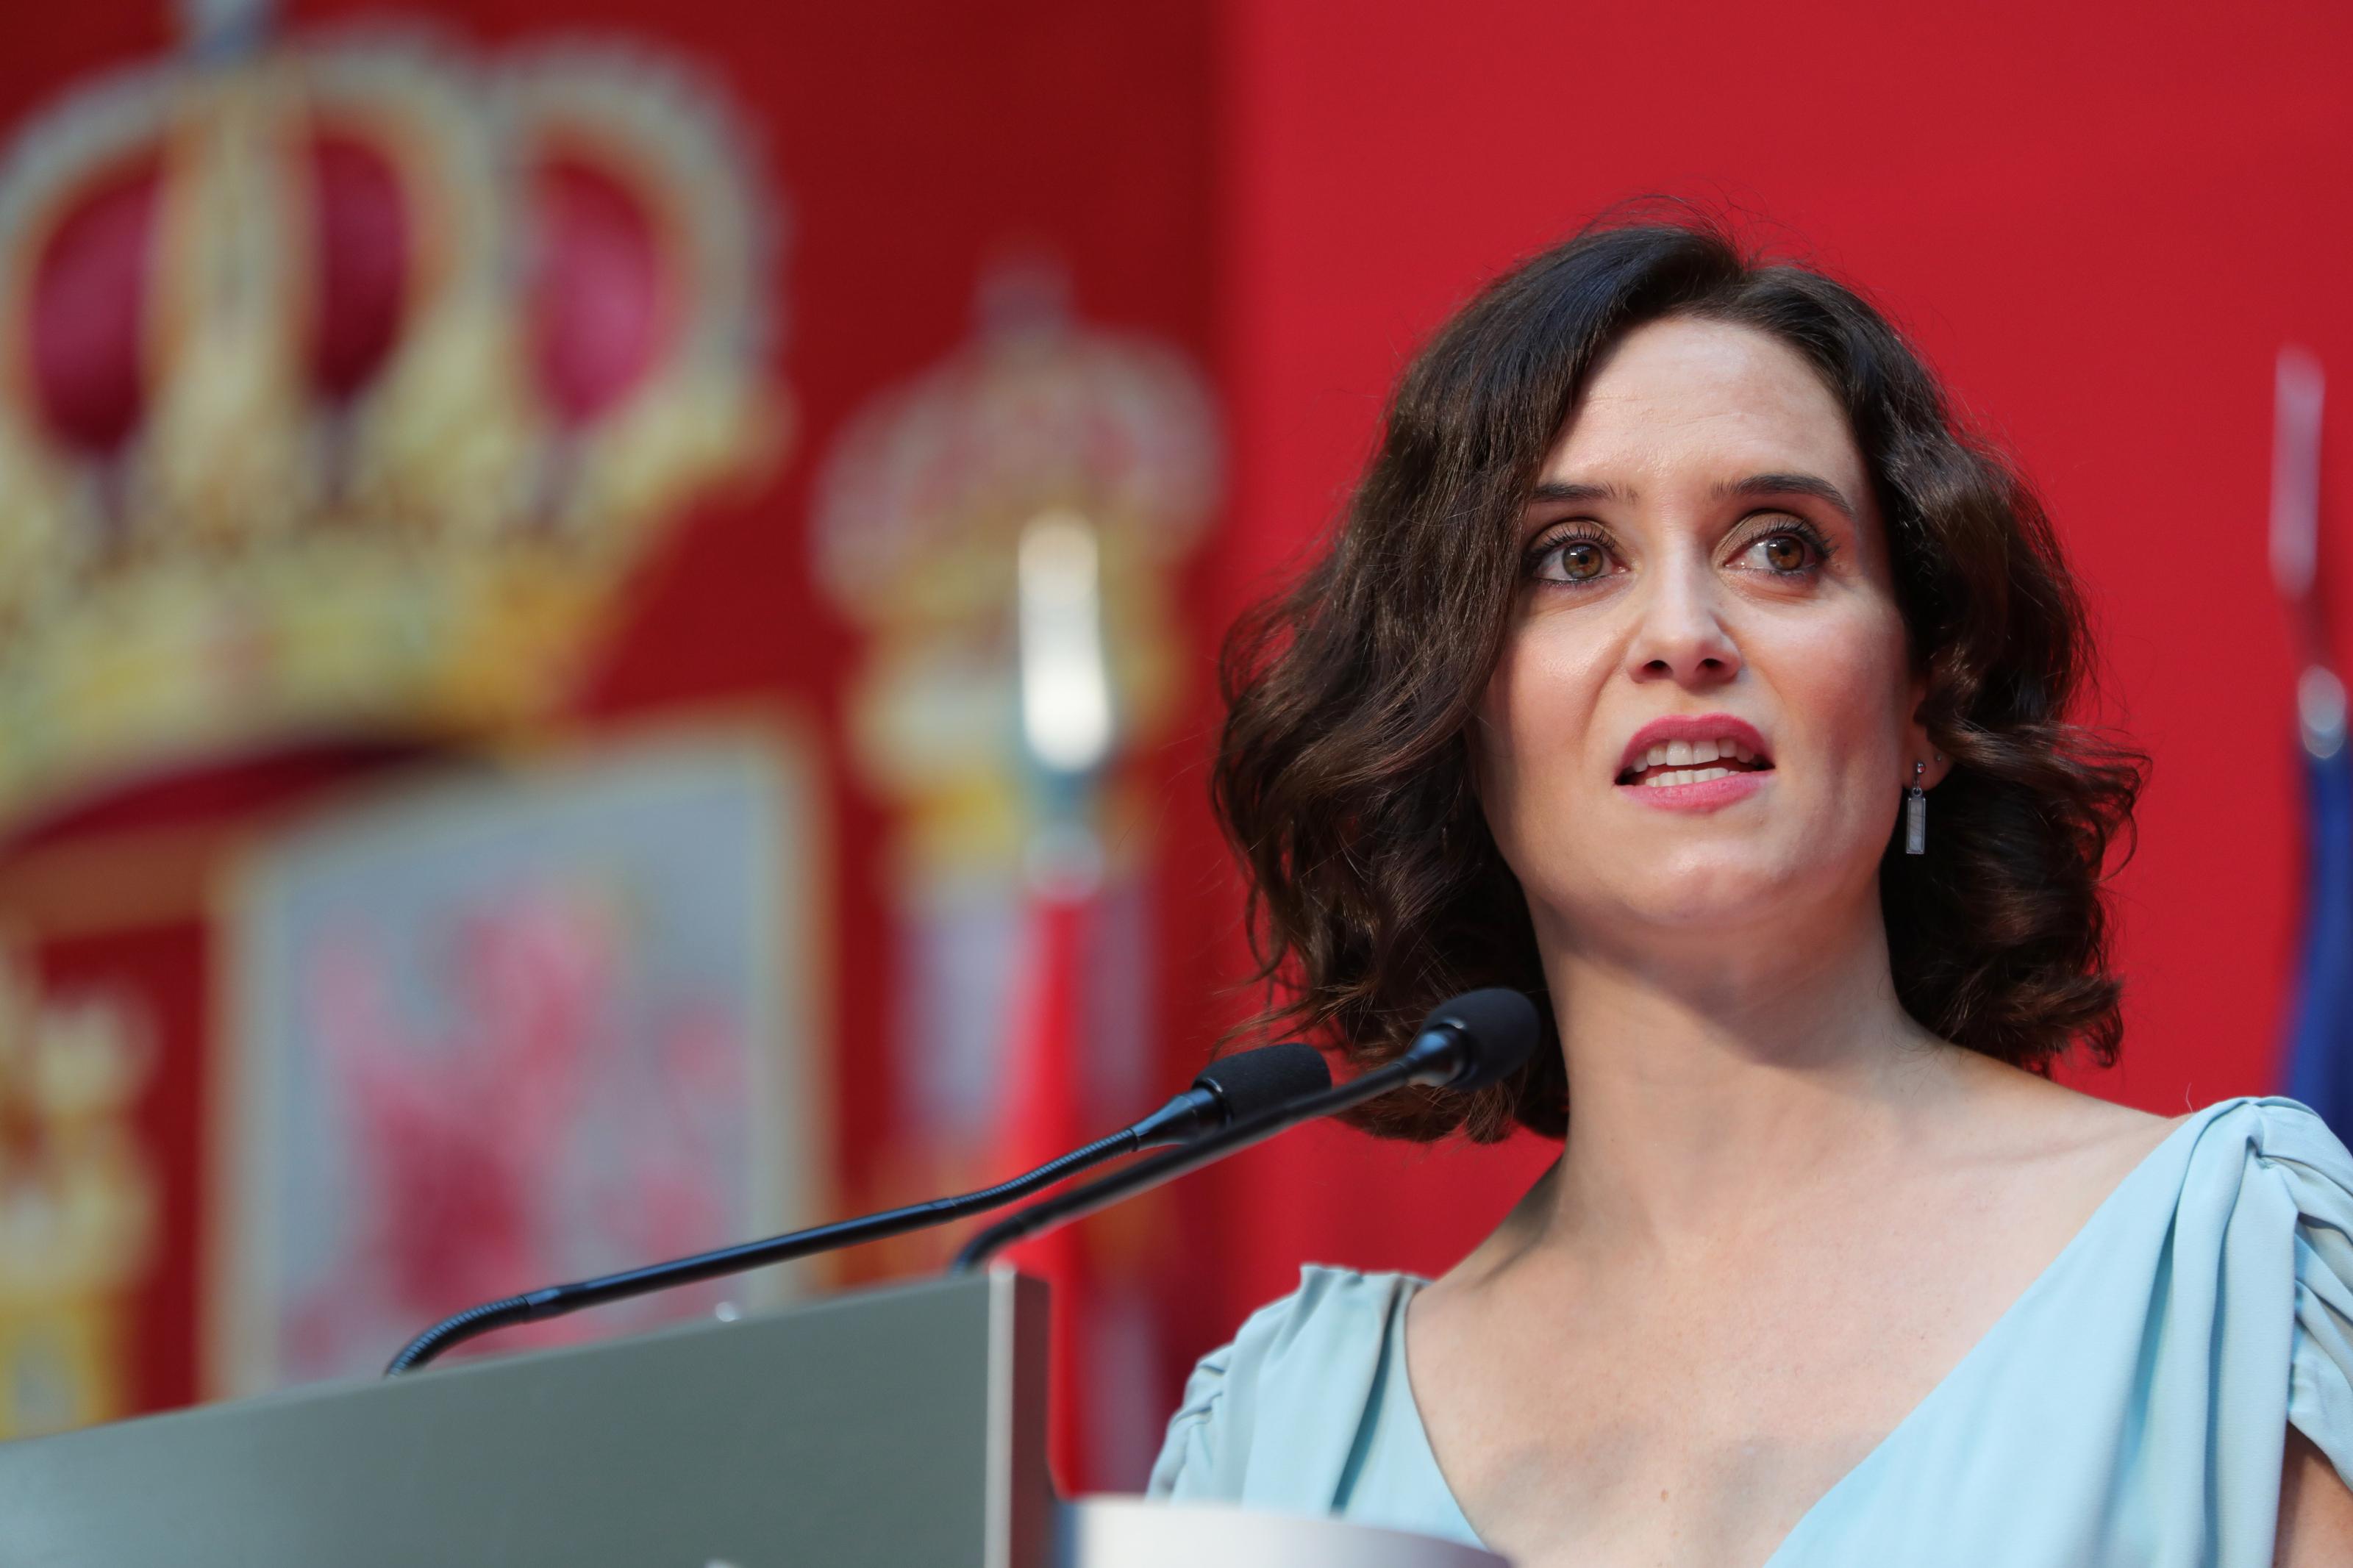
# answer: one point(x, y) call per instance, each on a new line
point(2320, 1026)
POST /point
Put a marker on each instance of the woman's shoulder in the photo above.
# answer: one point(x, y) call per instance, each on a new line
point(2247, 1166)
point(1280, 1404)
point(2069, 1147)
point(2236, 1253)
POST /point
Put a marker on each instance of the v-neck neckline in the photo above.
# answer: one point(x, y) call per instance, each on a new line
point(2001, 1328)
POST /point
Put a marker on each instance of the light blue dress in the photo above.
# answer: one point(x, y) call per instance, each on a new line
point(2129, 1408)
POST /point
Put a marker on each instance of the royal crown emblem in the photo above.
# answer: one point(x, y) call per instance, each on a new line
point(918, 518)
point(346, 378)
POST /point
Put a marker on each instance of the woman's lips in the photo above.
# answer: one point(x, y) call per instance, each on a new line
point(1708, 797)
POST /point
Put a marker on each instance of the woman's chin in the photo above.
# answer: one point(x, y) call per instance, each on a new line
point(1689, 892)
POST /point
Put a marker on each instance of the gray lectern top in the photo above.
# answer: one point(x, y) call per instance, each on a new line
point(887, 1427)
point(902, 1427)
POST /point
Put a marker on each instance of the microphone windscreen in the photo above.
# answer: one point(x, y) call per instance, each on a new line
point(1255, 1080)
point(1499, 1029)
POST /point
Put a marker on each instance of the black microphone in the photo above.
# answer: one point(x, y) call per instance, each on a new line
point(1234, 1089)
point(1237, 1088)
point(1466, 1043)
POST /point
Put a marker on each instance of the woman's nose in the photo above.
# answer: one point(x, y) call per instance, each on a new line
point(1680, 635)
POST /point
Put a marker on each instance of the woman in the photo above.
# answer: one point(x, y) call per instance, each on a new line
point(1681, 665)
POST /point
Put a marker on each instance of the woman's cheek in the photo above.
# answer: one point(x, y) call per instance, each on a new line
point(1519, 774)
point(1840, 687)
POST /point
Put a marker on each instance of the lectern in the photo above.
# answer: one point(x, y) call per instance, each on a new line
point(898, 1427)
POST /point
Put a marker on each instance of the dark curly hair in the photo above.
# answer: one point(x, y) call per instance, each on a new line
point(1343, 776)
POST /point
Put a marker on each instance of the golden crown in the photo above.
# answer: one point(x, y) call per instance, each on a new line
point(346, 378)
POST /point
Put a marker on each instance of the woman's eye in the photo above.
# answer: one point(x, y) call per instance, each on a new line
point(1785, 552)
point(1581, 558)
point(1572, 561)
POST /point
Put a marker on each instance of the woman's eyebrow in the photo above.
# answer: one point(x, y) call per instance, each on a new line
point(1821, 490)
point(1563, 490)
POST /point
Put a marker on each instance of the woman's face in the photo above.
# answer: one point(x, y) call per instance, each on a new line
point(1704, 565)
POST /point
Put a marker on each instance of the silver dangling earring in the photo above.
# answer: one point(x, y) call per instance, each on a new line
point(1916, 814)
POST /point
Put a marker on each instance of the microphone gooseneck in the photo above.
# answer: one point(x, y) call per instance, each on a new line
point(1237, 1087)
point(1466, 1043)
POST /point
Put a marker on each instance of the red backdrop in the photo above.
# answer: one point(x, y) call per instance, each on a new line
point(2099, 221)
point(2099, 226)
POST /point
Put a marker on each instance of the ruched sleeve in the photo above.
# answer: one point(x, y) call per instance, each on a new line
point(1204, 1426)
point(1271, 1418)
point(2314, 1174)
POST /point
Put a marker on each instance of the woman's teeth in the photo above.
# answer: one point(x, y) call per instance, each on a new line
point(1684, 754)
point(1684, 762)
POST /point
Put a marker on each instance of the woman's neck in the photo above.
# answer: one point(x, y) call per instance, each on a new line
point(1713, 1083)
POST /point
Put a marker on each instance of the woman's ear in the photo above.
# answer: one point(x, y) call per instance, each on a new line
point(1917, 746)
